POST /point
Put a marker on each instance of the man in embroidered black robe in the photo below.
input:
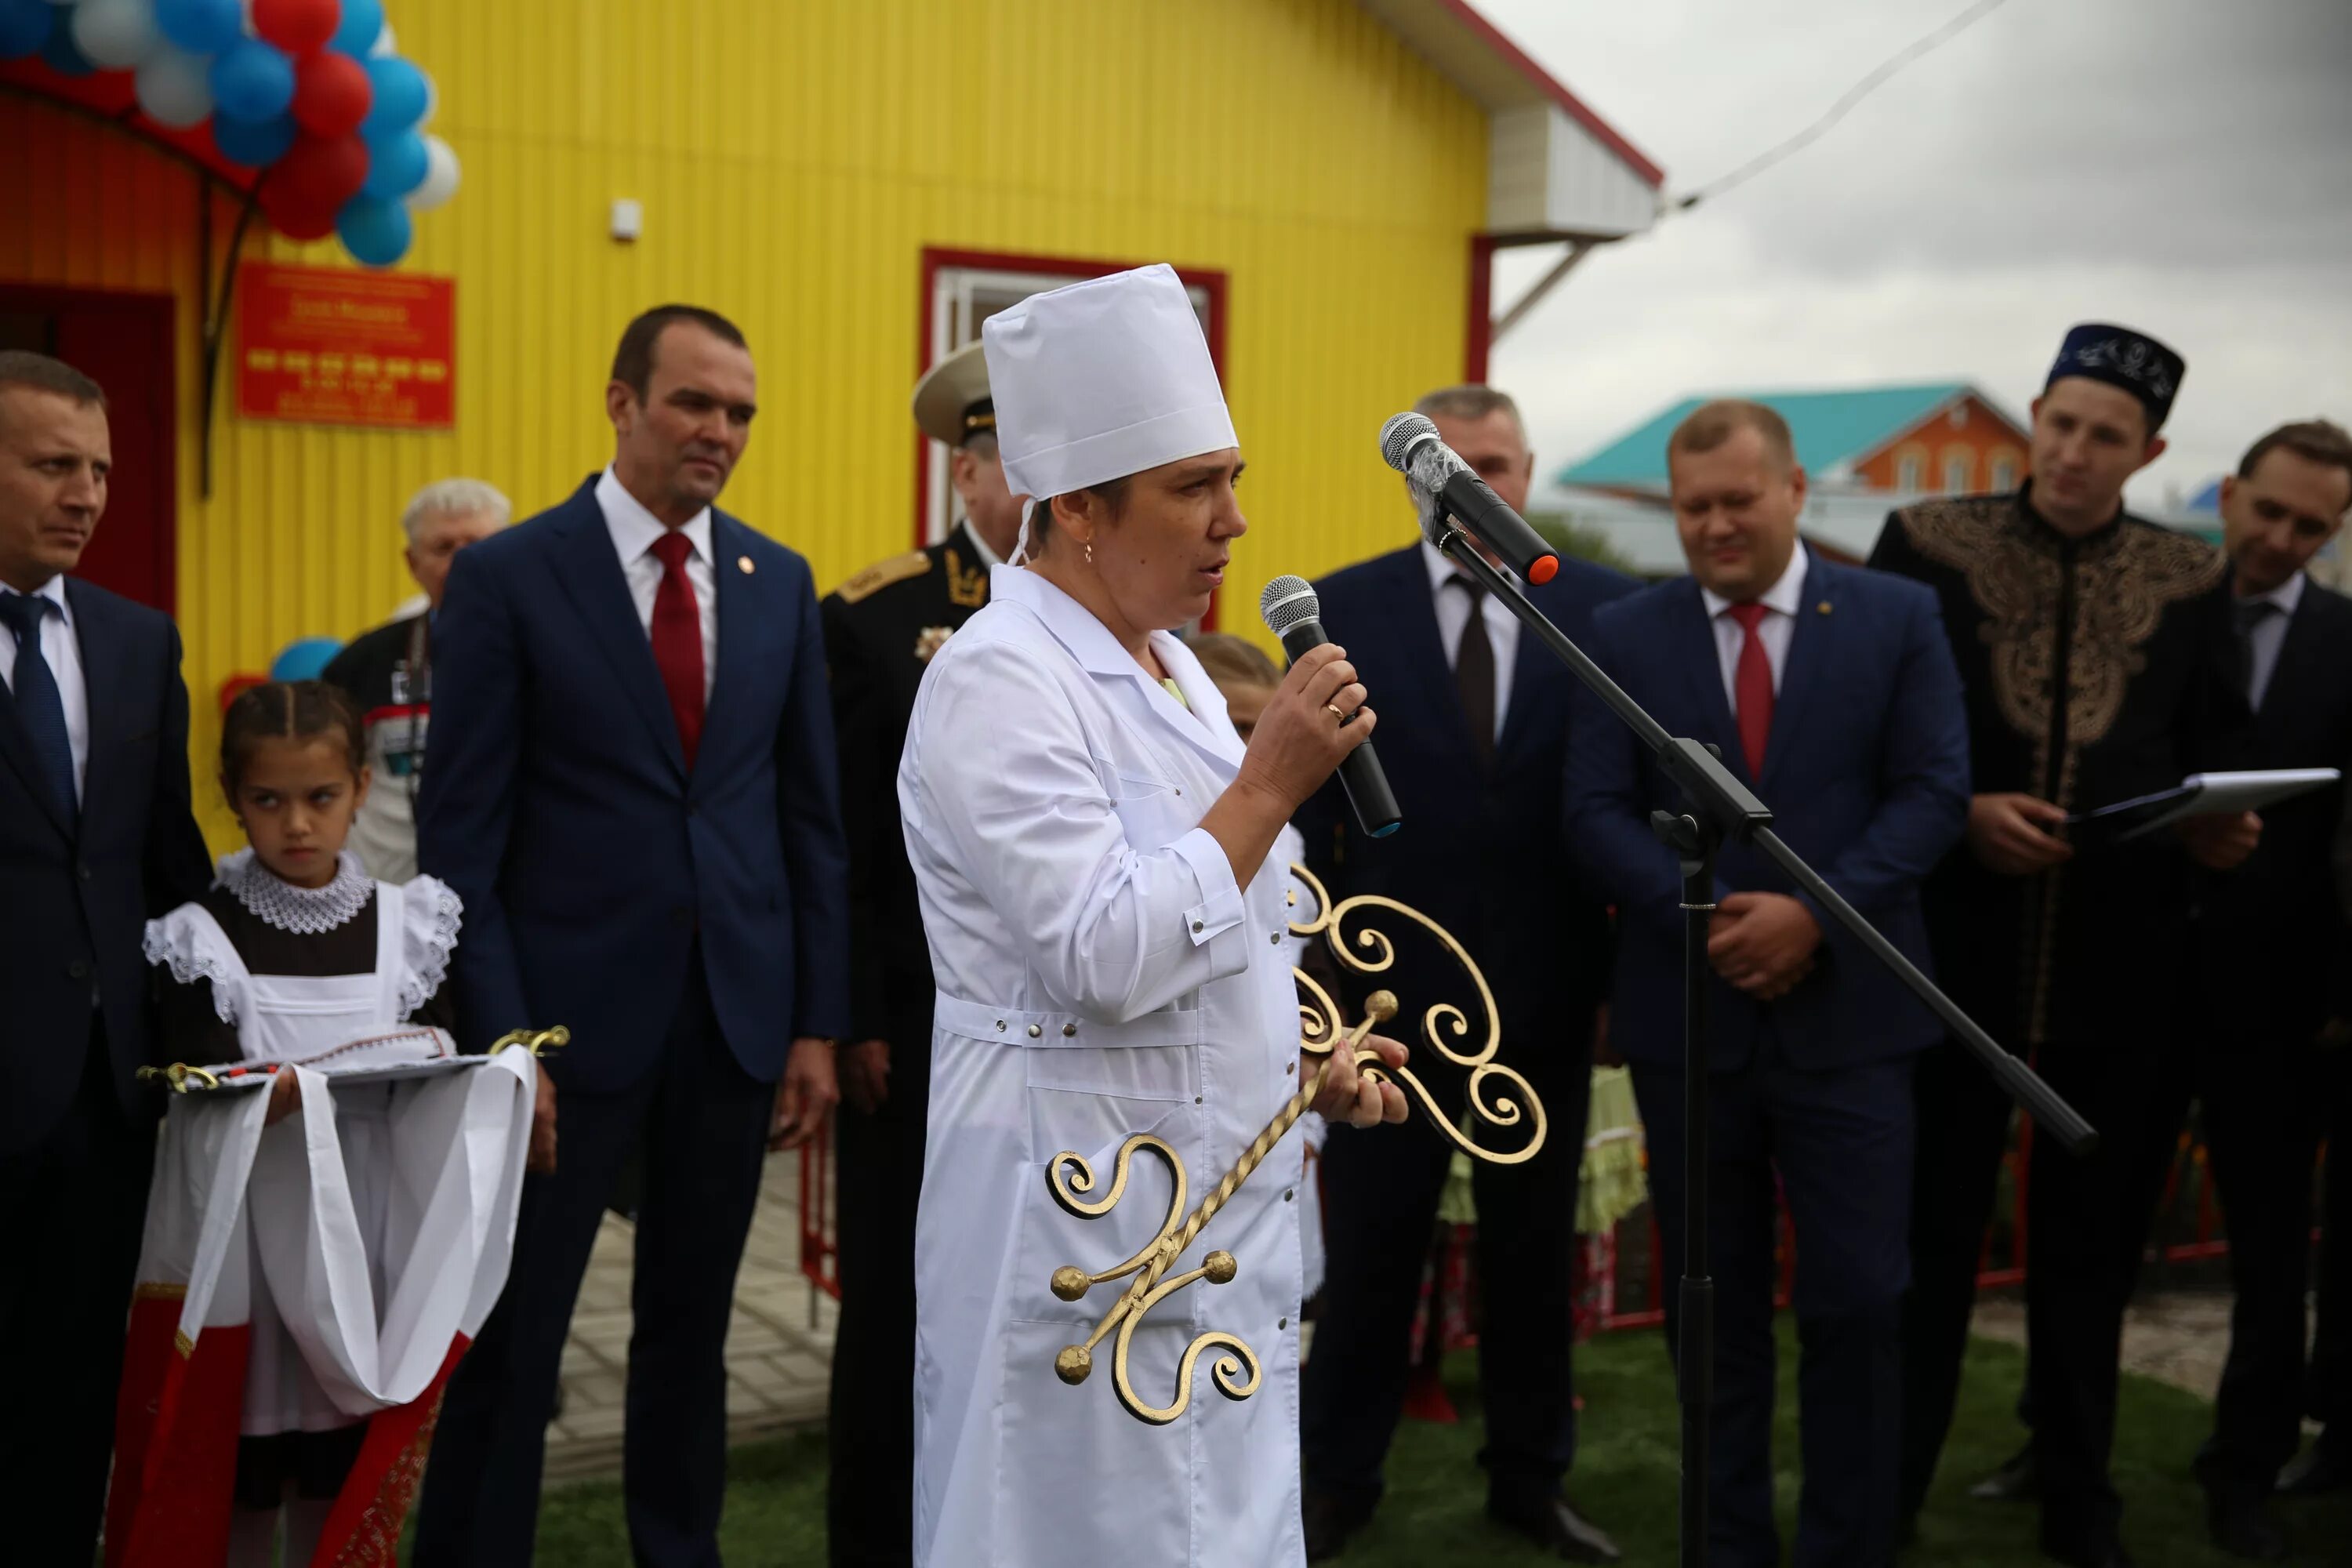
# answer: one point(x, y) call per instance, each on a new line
point(881, 629)
point(2096, 652)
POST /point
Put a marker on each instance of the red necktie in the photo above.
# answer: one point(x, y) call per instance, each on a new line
point(1752, 685)
point(678, 640)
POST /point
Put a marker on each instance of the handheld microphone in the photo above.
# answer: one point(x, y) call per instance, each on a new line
point(1292, 613)
point(1409, 444)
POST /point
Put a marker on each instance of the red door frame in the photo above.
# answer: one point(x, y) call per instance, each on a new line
point(1478, 337)
point(1212, 281)
point(157, 316)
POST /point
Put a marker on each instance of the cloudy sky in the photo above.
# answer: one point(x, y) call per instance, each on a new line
point(2180, 165)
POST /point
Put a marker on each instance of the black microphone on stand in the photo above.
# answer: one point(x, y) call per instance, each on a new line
point(1292, 613)
point(1410, 445)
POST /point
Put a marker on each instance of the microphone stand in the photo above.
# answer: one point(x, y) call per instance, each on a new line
point(1722, 808)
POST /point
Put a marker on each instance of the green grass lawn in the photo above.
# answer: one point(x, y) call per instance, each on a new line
point(1625, 1480)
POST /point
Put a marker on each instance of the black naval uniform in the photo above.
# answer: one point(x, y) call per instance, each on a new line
point(2271, 960)
point(881, 629)
point(2097, 669)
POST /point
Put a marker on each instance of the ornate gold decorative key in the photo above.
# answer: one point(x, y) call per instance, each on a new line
point(1498, 1096)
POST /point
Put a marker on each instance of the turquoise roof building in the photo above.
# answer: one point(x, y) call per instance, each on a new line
point(1836, 432)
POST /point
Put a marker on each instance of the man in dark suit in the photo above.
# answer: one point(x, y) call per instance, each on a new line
point(1484, 710)
point(95, 838)
point(881, 629)
point(633, 790)
point(2327, 1465)
point(2269, 958)
point(1831, 692)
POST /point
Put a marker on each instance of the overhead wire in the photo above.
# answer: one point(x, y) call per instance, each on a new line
point(1886, 69)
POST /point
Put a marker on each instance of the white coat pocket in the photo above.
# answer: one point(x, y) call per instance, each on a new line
point(1052, 1236)
point(1154, 812)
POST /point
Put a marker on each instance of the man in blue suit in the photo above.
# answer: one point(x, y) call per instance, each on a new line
point(633, 790)
point(95, 839)
point(1832, 693)
point(1480, 716)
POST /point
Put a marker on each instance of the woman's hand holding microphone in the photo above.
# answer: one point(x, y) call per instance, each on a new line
point(1314, 718)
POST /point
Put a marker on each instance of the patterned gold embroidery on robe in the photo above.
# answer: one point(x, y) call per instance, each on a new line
point(2123, 584)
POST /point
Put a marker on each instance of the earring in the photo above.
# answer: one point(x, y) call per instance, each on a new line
point(1090, 551)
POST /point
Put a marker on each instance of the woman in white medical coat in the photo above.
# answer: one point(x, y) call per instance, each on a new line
point(1094, 848)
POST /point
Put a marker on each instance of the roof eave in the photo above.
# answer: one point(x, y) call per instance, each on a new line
point(1497, 73)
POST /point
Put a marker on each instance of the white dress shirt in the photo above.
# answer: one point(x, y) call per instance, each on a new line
point(62, 649)
point(2270, 635)
point(1783, 599)
point(980, 546)
point(1454, 615)
point(634, 532)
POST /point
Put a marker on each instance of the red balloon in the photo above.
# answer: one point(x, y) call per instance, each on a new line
point(317, 174)
point(331, 94)
point(298, 26)
point(292, 216)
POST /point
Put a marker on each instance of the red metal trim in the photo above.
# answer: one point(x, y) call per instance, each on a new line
point(1212, 281)
point(820, 1253)
point(111, 97)
point(1479, 337)
point(162, 310)
point(929, 272)
point(1549, 86)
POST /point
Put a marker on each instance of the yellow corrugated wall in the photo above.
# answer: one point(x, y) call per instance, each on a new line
point(795, 157)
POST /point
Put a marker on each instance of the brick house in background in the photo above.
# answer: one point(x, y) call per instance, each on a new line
point(1865, 450)
point(1948, 438)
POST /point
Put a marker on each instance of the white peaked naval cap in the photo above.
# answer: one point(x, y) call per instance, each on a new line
point(1100, 379)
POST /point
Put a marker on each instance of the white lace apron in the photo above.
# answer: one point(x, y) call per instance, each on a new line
point(326, 1244)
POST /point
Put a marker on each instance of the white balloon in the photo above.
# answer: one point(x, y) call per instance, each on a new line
point(117, 35)
point(386, 44)
point(440, 177)
point(174, 89)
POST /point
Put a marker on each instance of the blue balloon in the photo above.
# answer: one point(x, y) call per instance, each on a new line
point(255, 144)
point(399, 100)
point(375, 229)
point(362, 20)
point(65, 56)
point(251, 81)
point(25, 27)
point(201, 26)
point(304, 659)
point(396, 166)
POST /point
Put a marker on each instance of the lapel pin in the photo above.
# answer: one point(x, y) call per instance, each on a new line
point(743, 565)
point(1822, 608)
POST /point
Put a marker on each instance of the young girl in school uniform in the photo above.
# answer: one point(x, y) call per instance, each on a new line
point(295, 956)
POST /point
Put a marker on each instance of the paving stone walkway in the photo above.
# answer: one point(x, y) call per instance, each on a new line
point(778, 1345)
point(2179, 1337)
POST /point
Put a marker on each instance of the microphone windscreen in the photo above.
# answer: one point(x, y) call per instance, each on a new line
point(1287, 601)
point(1398, 436)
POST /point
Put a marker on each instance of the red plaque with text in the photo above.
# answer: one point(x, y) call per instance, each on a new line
point(329, 345)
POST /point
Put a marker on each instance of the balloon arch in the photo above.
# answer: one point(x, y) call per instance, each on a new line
point(304, 105)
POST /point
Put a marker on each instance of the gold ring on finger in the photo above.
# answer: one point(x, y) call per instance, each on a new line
point(1333, 709)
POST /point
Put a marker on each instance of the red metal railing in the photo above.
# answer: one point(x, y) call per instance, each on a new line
point(820, 1258)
